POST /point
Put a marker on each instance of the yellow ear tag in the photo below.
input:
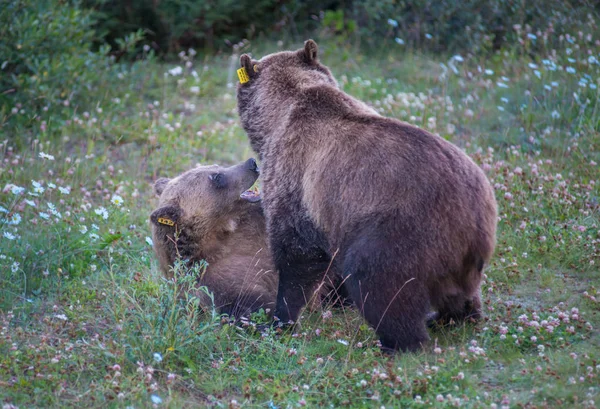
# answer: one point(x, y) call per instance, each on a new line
point(243, 75)
point(164, 220)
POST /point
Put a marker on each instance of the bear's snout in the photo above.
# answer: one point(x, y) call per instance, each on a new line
point(252, 165)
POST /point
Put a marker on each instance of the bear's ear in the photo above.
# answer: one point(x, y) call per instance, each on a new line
point(166, 215)
point(251, 70)
point(159, 185)
point(310, 51)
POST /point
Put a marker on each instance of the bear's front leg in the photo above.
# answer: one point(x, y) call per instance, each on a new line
point(301, 262)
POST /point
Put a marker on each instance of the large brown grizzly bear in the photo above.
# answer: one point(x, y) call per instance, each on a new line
point(406, 216)
point(207, 214)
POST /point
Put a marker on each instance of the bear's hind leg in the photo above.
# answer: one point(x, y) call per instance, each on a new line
point(386, 285)
point(397, 314)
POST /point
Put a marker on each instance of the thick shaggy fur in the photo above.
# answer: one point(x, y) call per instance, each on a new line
point(213, 223)
point(408, 218)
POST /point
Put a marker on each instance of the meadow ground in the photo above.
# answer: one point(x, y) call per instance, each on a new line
point(87, 320)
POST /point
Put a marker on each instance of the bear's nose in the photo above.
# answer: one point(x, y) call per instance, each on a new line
point(252, 165)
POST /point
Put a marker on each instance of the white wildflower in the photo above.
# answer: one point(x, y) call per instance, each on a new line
point(37, 187)
point(46, 156)
point(17, 190)
point(176, 71)
point(101, 211)
point(15, 219)
point(117, 200)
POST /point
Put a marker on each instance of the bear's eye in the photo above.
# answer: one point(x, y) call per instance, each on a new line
point(217, 179)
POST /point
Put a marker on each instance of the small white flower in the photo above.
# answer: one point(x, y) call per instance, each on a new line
point(62, 317)
point(149, 241)
point(342, 341)
point(571, 70)
point(37, 188)
point(44, 215)
point(532, 36)
point(94, 236)
point(101, 211)
point(398, 40)
point(501, 85)
point(83, 229)
point(489, 72)
point(3, 210)
point(95, 227)
point(64, 190)
point(555, 114)
point(117, 200)
point(17, 190)
point(46, 156)
point(15, 267)
point(93, 267)
point(176, 71)
point(15, 219)
point(195, 90)
point(157, 357)
point(156, 399)
point(51, 185)
point(392, 22)
point(9, 235)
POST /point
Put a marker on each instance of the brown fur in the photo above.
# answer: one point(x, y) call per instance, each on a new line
point(215, 224)
point(411, 219)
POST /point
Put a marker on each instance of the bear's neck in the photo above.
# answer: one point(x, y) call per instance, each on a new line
point(212, 243)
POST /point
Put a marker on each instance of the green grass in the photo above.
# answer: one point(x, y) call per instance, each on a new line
point(87, 320)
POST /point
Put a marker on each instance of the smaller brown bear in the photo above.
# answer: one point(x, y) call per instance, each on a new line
point(207, 213)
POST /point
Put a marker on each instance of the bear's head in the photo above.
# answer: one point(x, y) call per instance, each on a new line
point(267, 87)
point(203, 197)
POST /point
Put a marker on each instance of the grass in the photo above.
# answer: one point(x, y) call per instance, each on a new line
point(86, 318)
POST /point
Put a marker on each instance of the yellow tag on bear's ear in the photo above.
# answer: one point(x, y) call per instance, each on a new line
point(243, 75)
point(164, 220)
